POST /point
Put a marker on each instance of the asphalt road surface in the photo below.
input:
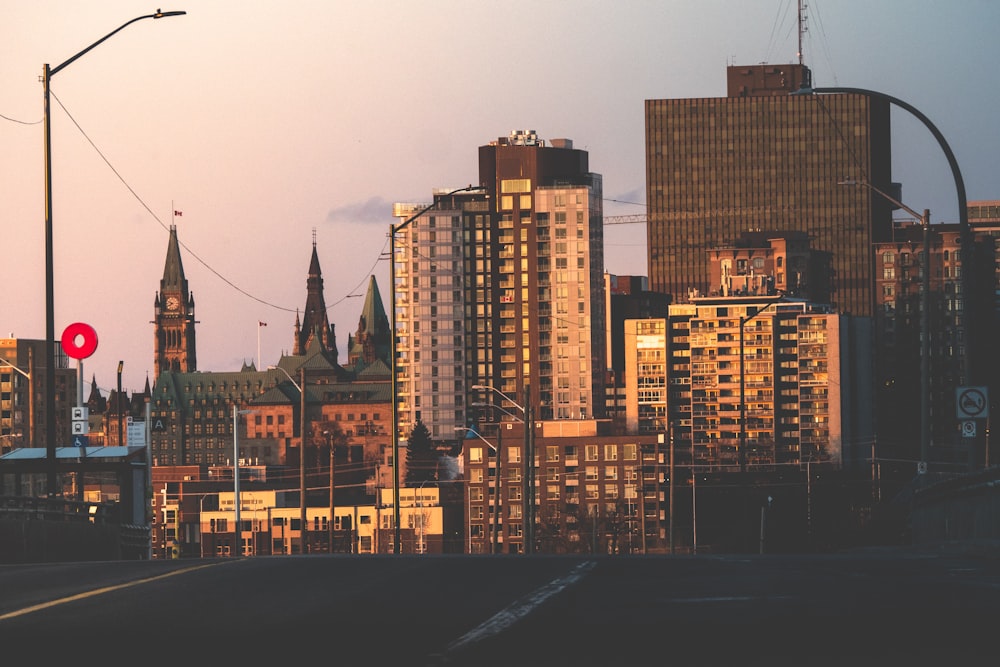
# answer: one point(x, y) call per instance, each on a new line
point(877, 608)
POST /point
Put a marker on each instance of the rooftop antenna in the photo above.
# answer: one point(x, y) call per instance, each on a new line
point(802, 26)
point(314, 237)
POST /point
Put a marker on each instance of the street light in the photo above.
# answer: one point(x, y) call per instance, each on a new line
point(497, 450)
point(329, 438)
point(925, 331)
point(31, 394)
point(393, 230)
point(965, 234)
point(303, 519)
point(743, 402)
point(236, 475)
point(50, 328)
point(529, 462)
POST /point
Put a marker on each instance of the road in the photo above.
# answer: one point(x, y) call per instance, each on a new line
point(876, 608)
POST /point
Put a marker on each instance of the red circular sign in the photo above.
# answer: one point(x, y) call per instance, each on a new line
point(87, 336)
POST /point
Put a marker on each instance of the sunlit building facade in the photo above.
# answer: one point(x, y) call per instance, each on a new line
point(748, 383)
point(764, 159)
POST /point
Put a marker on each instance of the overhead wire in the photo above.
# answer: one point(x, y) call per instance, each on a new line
point(181, 243)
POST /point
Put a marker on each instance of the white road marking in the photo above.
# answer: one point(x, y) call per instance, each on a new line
point(521, 608)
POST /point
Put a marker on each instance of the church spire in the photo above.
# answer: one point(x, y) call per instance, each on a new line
point(315, 320)
point(373, 339)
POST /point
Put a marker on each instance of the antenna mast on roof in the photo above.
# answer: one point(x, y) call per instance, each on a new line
point(802, 26)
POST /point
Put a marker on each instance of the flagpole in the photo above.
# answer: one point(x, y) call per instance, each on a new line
point(258, 345)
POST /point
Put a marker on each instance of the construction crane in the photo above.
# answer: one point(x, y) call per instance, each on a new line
point(625, 219)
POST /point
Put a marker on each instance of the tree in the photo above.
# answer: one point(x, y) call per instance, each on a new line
point(421, 456)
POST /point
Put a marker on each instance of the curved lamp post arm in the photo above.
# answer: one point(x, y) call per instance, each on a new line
point(157, 15)
point(967, 365)
point(489, 387)
point(10, 365)
point(963, 212)
point(287, 375)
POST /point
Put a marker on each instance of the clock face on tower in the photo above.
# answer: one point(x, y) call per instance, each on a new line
point(172, 303)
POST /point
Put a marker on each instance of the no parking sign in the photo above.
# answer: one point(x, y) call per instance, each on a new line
point(971, 403)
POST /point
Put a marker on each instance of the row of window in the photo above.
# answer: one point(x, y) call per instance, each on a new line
point(629, 452)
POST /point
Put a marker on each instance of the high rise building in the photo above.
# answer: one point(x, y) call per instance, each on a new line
point(536, 306)
point(763, 159)
point(504, 287)
point(430, 310)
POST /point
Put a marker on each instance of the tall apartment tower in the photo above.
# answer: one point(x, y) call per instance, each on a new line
point(763, 159)
point(173, 318)
point(430, 310)
point(535, 269)
point(503, 287)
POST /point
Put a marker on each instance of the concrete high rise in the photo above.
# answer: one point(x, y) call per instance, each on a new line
point(430, 310)
point(536, 306)
point(762, 159)
point(504, 287)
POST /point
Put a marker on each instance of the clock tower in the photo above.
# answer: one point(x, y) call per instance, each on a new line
point(173, 323)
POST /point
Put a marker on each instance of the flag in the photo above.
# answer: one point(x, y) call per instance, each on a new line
point(177, 214)
point(261, 324)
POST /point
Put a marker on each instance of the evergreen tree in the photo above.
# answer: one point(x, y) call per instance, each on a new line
point(421, 456)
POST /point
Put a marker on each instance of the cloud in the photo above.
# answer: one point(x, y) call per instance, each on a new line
point(374, 209)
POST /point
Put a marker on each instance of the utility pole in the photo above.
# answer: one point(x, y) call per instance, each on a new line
point(498, 502)
point(529, 476)
point(332, 487)
point(302, 461)
point(670, 434)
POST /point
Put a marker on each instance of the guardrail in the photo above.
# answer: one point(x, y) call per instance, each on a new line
point(39, 529)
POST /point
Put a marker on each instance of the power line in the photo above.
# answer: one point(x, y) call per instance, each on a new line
point(182, 244)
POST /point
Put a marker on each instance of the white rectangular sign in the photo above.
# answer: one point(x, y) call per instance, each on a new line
point(136, 434)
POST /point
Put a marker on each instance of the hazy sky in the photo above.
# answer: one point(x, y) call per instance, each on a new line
point(265, 122)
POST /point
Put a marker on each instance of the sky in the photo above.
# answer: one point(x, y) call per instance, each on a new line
point(268, 124)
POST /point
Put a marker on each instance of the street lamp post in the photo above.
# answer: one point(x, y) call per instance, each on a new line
point(925, 330)
point(529, 462)
point(498, 451)
point(303, 519)
point(743, 402)
point(965, 234)
point(329, 439)
point(50, 329)
point(31, 394)
point(393, 230)
point(236, 476)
